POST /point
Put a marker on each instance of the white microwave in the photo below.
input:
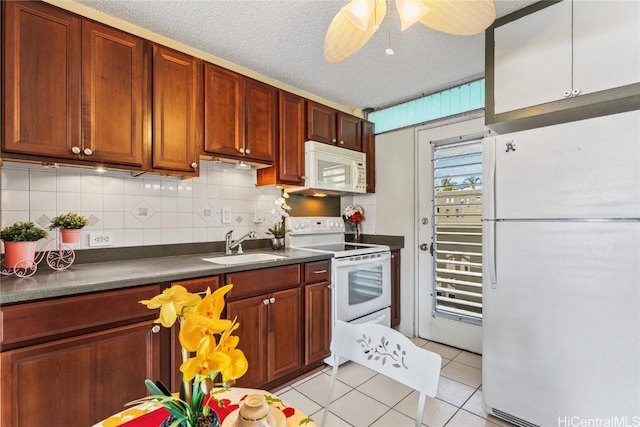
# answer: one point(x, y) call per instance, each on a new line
point(333, 170)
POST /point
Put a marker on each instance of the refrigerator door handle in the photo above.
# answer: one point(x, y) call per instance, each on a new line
point(489, 152)
point(491, 251)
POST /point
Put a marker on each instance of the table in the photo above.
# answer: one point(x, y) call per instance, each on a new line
point(152, 414)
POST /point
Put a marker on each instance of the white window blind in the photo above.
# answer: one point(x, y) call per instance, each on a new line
point(457, 223)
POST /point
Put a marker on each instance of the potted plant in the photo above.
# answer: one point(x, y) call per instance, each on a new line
point(278, 231)
point(208, 349)
point(20, 241)
point(69, 225)
point(355, 215)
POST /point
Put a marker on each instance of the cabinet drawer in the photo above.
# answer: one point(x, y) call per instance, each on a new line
point(199, 286)
point(43, 319)
point(263, 281)
point(319, 271)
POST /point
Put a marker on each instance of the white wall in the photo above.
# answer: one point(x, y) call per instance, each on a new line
point(177, 211)
point(394, 209)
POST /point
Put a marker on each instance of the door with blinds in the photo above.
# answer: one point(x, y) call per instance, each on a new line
point(450, 233)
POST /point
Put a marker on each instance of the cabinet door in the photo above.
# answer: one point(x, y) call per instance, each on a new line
point(321, 123)
point(606, 45)
point(291, 142)
point(285, 334)
point(395, 288)
point(532, 62)
point(223, 111)
point(260, 120)
point(349, 135)
point(317, 321)
point(41, 80)
point(369, 148)
point(252, 316)
point(112, 95)
point(177, 110)
point(78, 381)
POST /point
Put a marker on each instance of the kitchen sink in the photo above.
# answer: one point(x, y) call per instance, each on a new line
point(243, 259)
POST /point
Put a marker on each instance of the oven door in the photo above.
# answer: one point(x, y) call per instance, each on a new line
point(362, 285)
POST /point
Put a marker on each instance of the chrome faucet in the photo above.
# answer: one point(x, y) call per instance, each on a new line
point(230, 244)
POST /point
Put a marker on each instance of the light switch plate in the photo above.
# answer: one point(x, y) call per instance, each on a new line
point(226, 216)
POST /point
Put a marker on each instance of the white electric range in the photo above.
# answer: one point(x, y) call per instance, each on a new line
point(360, 273)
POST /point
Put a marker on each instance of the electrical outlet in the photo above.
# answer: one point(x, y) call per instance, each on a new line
point(100, 239)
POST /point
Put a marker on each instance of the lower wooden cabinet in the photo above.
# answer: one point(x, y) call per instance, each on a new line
point(80, 380)
point(317, 322)
point(395, 287)
point(270, 334)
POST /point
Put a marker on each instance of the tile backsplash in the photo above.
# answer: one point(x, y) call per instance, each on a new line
point(145, 210)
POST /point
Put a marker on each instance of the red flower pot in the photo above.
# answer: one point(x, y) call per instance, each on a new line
point(70, 236)
point(15, 252)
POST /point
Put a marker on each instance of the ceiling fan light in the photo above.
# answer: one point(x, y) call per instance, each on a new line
point(410, 11)
point(358, 12)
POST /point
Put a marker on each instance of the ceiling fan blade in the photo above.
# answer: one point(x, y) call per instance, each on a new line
point(459, 17)
point(344, 39)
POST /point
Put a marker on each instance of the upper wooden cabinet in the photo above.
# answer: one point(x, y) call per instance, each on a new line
point(240, 116)
point(369, 148)
point(324, 124)
point(177, 110)
point(555, 62)
point(290, 146)
point(74, 89)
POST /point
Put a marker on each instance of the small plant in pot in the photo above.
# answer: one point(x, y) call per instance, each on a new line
point(278, 231)
point(70, 225)
point(20, 241)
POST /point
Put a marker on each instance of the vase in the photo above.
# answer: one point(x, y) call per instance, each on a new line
point(69, 235)
point(211, 420)
point(14, 252)
point(356, 232)
point(277, 243)
point(255, 412)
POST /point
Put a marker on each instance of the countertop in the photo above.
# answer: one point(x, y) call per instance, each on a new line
point(101, 276)
point(148, 265)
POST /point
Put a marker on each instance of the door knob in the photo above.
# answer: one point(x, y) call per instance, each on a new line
point(424, 247)
point(265, 301)
point(88, 152)
point(241, 150)
point(75, 150)
point(247, 151)
point(155, 329)
point(272, 300)
point(194, 165)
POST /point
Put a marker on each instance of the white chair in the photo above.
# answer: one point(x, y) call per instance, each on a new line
point(388, 352)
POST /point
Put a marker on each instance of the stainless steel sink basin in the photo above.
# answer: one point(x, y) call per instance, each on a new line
point(243, 259)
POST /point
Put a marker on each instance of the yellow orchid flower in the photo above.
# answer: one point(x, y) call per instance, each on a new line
point(195, 327)
point(207, 361)
point(171, 303)
point(238, 366)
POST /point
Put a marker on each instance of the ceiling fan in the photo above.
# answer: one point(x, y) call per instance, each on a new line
point(355, 23)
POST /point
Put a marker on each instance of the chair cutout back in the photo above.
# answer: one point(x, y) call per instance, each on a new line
point(387, 352)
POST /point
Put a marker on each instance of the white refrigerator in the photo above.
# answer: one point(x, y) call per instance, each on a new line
point(561, 274)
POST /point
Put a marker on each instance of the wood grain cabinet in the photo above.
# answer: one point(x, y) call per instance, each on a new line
point(395, 287)
point(177, 111)
point(317, 311)
point(324, 124)
point(77, 359)
point(369, 148)
point(554, 62)
point(240, 116)
point(289, 165)
point(74, 89)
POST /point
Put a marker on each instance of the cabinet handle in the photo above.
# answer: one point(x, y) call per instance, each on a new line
point(241, 150)
point(319, 271)
point(341, 142)
point(88, 152)
point(194, 165)
point(155, 329)
point(333, 140)
point(575, 92)
point(303, 177)
point(330, 286)
point(265, 301)
point(75, 150)
point(566, 93)
point(247, 151)
point(272, 300)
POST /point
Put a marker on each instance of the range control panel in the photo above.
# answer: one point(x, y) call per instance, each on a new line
point(314, 225)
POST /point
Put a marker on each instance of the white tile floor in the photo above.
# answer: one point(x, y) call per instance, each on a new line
point(363, 398)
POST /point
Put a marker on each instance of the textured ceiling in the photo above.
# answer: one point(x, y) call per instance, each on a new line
point(284, 40)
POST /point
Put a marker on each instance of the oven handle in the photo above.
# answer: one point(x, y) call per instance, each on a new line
point(357, 260)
